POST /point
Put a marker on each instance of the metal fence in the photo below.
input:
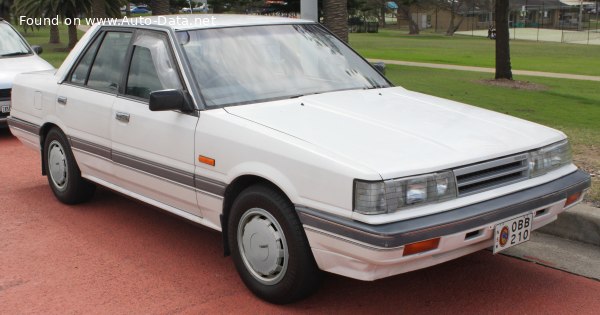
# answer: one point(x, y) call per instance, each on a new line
point(543, 21)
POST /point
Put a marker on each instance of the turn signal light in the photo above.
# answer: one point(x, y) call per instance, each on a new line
point(572, 198)
point(206, 160)
point(420, 247)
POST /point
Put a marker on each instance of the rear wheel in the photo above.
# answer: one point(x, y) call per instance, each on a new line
point(269, 247)
point(62, 171)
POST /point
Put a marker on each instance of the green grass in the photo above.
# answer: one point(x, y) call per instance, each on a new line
point(53, 53)
point(477, 51)
point(569, 105)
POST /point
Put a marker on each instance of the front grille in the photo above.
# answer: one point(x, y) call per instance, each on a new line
point(4, 94)
point(491, 174)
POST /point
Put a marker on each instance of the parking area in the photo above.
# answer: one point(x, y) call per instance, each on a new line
point(115, 255)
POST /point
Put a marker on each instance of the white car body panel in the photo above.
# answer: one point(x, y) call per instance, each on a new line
point(423, 133)
point(165, 138)
point(12, 66)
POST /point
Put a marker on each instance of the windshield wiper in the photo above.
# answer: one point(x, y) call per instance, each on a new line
point(313, 93)
point(20, 53)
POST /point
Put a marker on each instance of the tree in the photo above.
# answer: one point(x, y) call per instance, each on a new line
point(98, 9)
point(405, 6)
point(159, 7)
point(5, 8)
point(456, 7)
point(70, 9)
point(39, 8)
point(503, 67)
point(107, 8)
point(218, 6)
point(335, 17)
point(65, 9)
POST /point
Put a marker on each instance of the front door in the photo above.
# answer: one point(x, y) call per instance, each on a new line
point(153, 151)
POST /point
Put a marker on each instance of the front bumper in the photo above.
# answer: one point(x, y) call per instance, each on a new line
point(368, 252)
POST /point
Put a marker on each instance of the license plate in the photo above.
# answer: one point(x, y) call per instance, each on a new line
point(512, 232)
point(5, 108)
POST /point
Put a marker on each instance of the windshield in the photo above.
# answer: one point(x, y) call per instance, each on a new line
point(11, 44)
point(241, 65)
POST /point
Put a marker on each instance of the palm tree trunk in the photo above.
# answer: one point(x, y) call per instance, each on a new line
point(503, 67)
point(159, 7)
point(54, 34)
point(98, 9)
point(72, 35)
point(5, 9)
point(335, 17)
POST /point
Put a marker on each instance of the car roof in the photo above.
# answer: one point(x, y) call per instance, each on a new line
point(199, 21)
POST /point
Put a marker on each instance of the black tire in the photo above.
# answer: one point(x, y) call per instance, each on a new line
point(64, 175)
point(298, 275)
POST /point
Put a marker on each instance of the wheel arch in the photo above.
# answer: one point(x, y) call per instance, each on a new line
point(232, 191)
point(44, 129)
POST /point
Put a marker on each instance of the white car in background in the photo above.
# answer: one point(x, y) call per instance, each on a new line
point(16, 56)
point(306, 157)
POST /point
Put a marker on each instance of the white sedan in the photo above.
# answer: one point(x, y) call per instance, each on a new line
point(307, 158)
point(16, 56)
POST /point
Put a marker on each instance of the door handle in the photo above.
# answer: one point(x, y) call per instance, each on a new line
point(124, 117)
point(62, 100)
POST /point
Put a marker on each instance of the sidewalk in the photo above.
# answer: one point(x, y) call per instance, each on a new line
point(489, 70)
point(571, 243)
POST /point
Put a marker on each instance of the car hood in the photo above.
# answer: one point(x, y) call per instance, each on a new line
point(11, 66)
point(398, 133)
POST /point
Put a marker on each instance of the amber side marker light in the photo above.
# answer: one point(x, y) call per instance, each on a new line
point(420, 247)
point(572, 199)
point(206, 160)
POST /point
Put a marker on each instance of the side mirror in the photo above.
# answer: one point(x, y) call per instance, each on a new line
point(170, 100)
point(38, 49)
point(380, 66)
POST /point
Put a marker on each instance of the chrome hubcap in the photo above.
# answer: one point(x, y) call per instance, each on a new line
point(262, 246)
point(57, 163)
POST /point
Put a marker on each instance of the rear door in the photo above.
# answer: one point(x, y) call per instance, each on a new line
point(153, 152)
point(85, 99)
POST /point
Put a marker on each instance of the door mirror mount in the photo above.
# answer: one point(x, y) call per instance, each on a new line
point(37, 49)
point(379, 66)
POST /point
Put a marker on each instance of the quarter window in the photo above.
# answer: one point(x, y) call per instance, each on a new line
point(80, 73)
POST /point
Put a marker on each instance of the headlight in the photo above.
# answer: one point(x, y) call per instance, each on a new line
point(388, 196)
point(549, 158)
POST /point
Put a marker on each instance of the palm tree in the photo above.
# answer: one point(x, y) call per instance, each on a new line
point(5, 8)
point(66, 9)
point(335, 17)
point(159, 7)
point(98, 9)
point(39, 8)
point(107, 8)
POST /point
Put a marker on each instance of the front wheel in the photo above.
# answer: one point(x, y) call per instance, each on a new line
point(269, 247)
point(62, 171)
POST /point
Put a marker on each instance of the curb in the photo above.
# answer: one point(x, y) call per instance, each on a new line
point(580, 223)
